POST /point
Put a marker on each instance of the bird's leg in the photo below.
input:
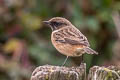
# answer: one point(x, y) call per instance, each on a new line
point(81, 60)
point(65, 61)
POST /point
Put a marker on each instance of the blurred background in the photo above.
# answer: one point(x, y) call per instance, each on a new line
point(25, 41)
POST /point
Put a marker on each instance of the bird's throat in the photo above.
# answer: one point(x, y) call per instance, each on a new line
point(53, 28)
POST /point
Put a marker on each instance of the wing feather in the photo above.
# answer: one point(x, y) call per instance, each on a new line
point(72, 36)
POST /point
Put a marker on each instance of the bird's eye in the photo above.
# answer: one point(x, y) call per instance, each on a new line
point(56, 23)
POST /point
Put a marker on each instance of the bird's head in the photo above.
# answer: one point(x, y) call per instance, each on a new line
point(57, 23)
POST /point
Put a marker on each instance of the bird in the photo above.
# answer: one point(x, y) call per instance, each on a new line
point(67, 39)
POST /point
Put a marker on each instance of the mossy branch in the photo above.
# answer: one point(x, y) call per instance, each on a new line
point(48, 72)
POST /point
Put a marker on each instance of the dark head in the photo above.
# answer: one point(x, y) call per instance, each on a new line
point(57, 23)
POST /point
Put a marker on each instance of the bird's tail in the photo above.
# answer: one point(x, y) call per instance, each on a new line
point(90, 51)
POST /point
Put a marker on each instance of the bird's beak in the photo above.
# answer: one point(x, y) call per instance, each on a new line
point(46, 22)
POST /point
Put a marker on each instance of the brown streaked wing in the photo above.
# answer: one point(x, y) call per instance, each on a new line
point(72, 36)
point(78, 36)
point(73, 42)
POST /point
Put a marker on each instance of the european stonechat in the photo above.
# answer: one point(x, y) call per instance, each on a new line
point(67, 39)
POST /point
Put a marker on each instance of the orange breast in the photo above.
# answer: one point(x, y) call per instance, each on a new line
point(66, 49)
